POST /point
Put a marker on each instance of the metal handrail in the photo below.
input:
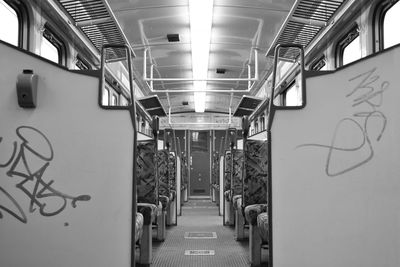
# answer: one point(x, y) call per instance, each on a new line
point(271, 106)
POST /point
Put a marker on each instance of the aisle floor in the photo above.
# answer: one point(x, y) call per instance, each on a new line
point(205, 234)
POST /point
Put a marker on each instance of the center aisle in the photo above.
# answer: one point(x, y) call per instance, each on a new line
point(205, 234)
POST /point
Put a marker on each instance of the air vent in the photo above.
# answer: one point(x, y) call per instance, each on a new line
point(220, 71)
point(185, 103)
point(173, 37)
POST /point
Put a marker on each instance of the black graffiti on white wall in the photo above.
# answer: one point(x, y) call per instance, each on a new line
point(367, 123)
point(30, 156)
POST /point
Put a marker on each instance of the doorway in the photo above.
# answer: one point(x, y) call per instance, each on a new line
point(200, 163)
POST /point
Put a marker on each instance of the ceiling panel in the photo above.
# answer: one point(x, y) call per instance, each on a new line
point(239, 28)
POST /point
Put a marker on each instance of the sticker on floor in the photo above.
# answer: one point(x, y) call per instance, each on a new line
point(199, 252)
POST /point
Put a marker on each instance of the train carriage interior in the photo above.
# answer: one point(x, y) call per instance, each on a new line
point(197, 133)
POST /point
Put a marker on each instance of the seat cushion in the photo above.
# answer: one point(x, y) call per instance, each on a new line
point(139, 226)
point(252, 211)
point(262, 223)
point(149, 212)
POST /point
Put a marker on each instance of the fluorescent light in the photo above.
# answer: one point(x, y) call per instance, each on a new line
point(199, 101)
point(200, 12)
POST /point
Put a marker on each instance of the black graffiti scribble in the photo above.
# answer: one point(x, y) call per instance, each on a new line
point(40, 193)
point(365, 92)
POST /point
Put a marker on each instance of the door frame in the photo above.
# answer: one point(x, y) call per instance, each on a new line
point(189, 151)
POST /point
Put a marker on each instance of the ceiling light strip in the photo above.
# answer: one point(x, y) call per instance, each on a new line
point(200, 15)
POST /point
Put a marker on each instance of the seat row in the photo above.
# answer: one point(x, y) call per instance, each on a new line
point(156, 196)
point(245, 193)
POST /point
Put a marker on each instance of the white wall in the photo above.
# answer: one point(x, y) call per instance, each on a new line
point(90, 156)
point(335, 170)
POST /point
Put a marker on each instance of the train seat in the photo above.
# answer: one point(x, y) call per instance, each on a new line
point(149, 212)
point(229, 218)
point(239, 217)
point(262, 224)
point(165, 201)
point(139, 226)
point(255, 242)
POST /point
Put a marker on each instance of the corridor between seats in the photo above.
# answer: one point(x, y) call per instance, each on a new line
point(201, 235)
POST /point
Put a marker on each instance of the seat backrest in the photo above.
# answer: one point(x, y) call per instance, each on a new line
point(172, 171)
point(163, 173)
point(237, 169)
point(147, 184)
point(256, 172)
point(227, 170)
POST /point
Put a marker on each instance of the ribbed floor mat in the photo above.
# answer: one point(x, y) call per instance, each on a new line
point(202, 221)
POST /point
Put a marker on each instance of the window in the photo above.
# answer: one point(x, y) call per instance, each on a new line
point(105, 96)
point(124, 101)
point(387, 19)
point(349, 48)
point(9, 24)
point(292, 96)
point(52, 47)
point(114, 100)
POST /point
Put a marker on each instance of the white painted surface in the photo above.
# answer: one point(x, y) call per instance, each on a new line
point(335, 170)
point(92, 156)
point(178, 184)
point(221, 184)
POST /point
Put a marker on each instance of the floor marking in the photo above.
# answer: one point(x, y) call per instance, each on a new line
point(200, 207)
point(200, 235)
point(199, 252)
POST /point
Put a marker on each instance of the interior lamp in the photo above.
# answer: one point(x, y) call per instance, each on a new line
point(200, 13)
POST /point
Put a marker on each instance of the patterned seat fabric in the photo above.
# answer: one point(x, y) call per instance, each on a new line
point(163, 173)
point(262, 223)
point(139, 226)
point(256, 173)
point(149, 212)
point(172, 172)
point(237, 202)
point(147, 185)
point(227, 171)
point(251, 212)
point(236, 182)
point(164, 201)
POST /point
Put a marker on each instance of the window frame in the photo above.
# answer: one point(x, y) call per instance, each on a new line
point(50, 35)
point(344, 42)
point(289, 87)
point(379, 17)
point(23, 22)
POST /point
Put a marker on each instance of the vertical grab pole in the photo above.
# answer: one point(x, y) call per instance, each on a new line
point(161, 218)
point(245, 130)
point(232, 145)
point(155, 124)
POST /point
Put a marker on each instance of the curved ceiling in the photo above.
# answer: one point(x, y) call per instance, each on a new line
point(239, 28)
